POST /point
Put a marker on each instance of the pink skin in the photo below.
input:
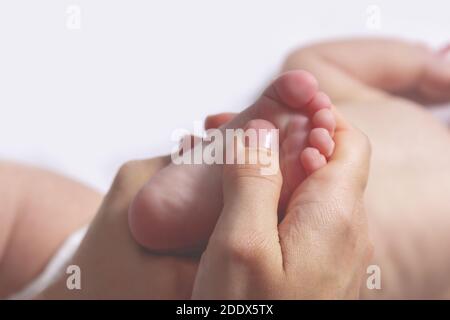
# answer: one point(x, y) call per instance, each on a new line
point(320, 139)
point(178, 208)
point(257, 125)
point(311, 158)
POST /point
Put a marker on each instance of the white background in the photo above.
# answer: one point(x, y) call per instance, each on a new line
point(82, 101)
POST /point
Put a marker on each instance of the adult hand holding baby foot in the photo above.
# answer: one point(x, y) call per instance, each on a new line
point(178, 216)
point(320, 250)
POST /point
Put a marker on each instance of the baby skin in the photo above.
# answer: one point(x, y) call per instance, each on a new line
point(381, 85)
point(164, 218)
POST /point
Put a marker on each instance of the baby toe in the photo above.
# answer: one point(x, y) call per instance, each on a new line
point(319, 102)
point(312, 160)
point(295, 89)
point(320, 139)
point(324, 118)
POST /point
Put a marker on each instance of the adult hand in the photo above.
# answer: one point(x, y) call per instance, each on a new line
point(320, 250)
point(112, 264)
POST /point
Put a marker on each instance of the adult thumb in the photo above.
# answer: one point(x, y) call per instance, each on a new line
point(252, 183)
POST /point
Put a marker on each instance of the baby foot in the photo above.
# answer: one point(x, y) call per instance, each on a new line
point(179, 206)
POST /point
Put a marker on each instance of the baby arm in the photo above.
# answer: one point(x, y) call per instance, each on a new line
point(39, 209)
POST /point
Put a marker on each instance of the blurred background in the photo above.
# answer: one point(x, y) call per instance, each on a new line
point(86, 85)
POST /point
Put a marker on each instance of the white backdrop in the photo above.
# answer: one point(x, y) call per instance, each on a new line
point(88, 84)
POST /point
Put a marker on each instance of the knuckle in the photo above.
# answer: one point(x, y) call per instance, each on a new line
point(345, 225)
point(352, 220)
point(128, 167)
point(125, 173)
point(248, 250)
point(250, 173)
point(341, 217)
